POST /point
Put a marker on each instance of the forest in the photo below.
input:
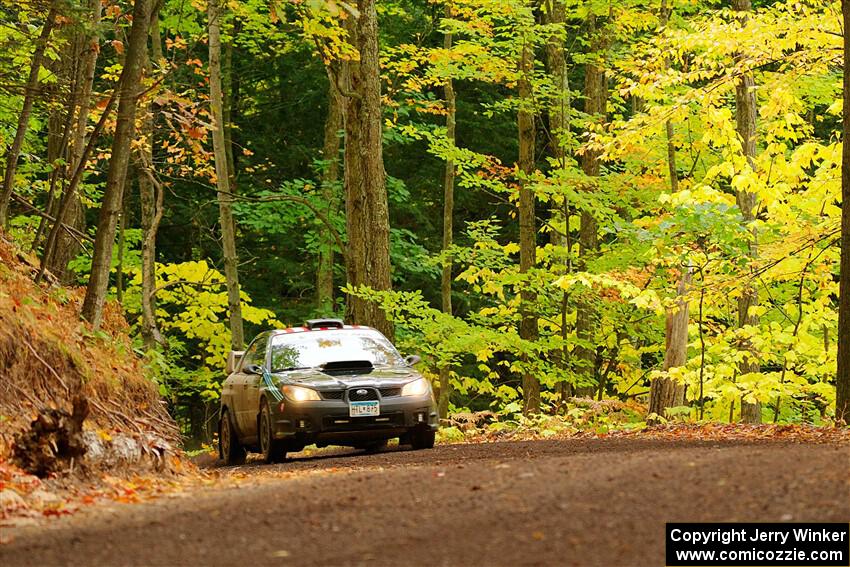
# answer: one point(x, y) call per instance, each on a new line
point(555, 203)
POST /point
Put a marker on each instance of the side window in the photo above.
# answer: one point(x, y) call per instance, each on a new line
point(249, 356)
point(256, 353)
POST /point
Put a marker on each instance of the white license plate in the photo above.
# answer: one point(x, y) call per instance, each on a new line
point(364, 409)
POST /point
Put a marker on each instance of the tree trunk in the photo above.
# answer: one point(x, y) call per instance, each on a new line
point(448, 229)
point(527, 230)
point(58, 251)
point(559, 125)
point(229, 98)
point(746, 111)
point(330, 178)
point(58, 129)
point(150, 201)
point(664, 392)
point(596, 97)
point(116, 176)
point(122, 242)
point(366, 208)
point(67, 246)
point(842, 381)
point(30, 93)
point(225, 197)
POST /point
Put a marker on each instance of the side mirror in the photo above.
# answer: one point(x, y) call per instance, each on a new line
point(412, 359)
point(253, 369)
point(233, 360)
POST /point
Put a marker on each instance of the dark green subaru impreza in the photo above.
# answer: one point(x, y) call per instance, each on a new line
point(325, 383)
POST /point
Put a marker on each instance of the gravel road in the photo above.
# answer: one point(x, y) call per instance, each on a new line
point(559, 502)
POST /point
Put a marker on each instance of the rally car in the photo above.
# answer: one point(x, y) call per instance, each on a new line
point(325, 383)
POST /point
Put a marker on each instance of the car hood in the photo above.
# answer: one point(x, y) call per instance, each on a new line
point(378, 377)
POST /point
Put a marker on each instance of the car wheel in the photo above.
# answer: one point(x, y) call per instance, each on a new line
point(422, 439)
point(230, 449)
point(273, 450)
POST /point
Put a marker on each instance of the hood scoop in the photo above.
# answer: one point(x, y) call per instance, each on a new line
point(347, 367)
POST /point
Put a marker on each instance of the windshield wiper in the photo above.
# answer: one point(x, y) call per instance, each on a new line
point(291, 368)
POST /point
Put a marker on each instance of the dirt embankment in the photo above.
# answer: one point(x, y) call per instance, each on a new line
point(71, 398)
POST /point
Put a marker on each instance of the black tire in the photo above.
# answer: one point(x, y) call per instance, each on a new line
point(230, 449)
point(422, 439)
point(273, 450)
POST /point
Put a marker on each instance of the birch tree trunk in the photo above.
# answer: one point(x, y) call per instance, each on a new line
point(225, 197)
point(746, 112)
point(366, 207)
point(117, 174)
point(30, 93)
point(842, 380)
point(448, 228)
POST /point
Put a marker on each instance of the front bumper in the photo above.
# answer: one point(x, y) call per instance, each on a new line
point(327, 422)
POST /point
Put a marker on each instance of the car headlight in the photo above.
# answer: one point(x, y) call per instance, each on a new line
point(300, 393)
point(418, 387)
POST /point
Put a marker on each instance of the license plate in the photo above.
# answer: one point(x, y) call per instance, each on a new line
point(363, 409)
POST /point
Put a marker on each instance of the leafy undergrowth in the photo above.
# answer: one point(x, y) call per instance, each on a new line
point(797, 433)
point(584, 418)
point(63, 379)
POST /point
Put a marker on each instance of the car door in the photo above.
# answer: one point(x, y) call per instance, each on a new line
point(231, 390)
point(240, 385)
point(252, 384)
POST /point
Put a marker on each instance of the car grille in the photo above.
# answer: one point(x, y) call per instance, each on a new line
point(390, 392)
point(333, 394)
point(354, 396)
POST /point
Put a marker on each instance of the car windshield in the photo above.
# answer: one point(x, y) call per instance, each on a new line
point(312, 349)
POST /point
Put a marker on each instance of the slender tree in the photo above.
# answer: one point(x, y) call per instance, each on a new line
point(30, 94)
point(60, 247)
point(330, 178)
point(559, 125)
point(151, 196)
point(59, 127)
point(665, 392)
point(842, 382)
point(366, 207)
point(746, 112)
point(225, 196)
point(448, 217)
point(595, 102)
point(528, 329)
point(116, 176)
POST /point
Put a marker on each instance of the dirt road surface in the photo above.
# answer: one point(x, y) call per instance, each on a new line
point(565, 502)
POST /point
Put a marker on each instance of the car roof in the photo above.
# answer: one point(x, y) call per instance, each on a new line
point(305, 329)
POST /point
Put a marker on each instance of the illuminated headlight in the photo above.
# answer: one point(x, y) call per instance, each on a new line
point(300, 394)
point(418, 387)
